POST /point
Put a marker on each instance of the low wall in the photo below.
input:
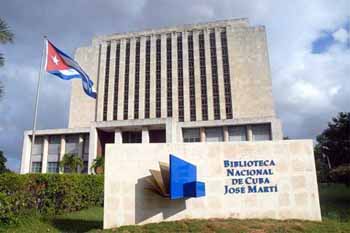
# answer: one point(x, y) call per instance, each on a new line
point(270, 179)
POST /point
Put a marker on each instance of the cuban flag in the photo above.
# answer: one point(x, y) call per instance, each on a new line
point(60, 64)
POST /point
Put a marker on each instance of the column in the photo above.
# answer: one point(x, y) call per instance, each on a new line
point(220, 74)
point(174, 76)
point(121, 80)
point(226, 135)
point(111, 81)
point(142, 78)
point(26, 154)
point(202, 134)
point(45, 154)
point(163, 75)
point(209, 75)
point(197, 77)
point(249, 133)
point(186, 78)
point(145, 135)
point(118, 139)
point(92, 148)
point(62, 151)
point(131, 78)
point(101, 82)
point(80, 150)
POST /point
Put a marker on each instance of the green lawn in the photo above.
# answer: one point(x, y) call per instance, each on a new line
point(335, 205)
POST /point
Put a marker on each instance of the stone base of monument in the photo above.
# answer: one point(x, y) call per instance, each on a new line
point(269, 179)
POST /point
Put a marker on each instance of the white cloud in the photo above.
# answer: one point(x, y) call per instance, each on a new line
point(341, 35)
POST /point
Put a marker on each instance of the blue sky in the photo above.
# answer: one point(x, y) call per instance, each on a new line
point(308, 49)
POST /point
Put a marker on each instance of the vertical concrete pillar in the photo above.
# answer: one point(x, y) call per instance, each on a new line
point(45, 154)
point(249, 133)
point(202, 134)
point(26, 154)
point(186, 84)
point(145, 135)
point(62, 150)
point(101, 83)
point(226, 135)
point(80, 149)
point(209, 77)
point(118, 139)
point(220, 74)
point(93, 137)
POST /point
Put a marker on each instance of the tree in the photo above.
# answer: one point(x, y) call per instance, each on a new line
point(3, 161)
point(71, 163)
point(333, 145)
point(6, 36)
point(98, 165)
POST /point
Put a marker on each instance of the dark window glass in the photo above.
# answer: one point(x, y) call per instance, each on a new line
point(147, 78)
point(226, 71)
point(191, 135)
point(132, 137)
point(203, 77)
point(137, 80)
point(157, 136)
point(36, 167)
point(116, 83)
point(105, 97)
point(169, 78)
point(52, 167)
point(126, 80)
point(214, 71)
point(261, 132)
point(191, 78)
point(180, 77)
point(158, 78)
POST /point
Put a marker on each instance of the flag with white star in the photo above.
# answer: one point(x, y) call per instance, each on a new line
point(63, 66)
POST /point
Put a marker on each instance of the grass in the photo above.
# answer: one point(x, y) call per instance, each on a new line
point(335, 206)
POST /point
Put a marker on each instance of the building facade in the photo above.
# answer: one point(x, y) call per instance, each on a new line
point(201, 83)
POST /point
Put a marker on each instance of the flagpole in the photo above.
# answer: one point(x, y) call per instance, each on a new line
point(37, 97)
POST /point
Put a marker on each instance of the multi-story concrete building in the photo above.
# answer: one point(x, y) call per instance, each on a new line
point(192, 83)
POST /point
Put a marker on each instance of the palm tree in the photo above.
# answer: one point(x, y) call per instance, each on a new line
point(6, 36)
point(98, 165)
point(71, 162)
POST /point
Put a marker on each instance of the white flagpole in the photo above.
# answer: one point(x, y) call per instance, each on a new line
point(37, 97)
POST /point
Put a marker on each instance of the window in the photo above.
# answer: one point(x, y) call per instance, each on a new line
point(52, 167)
point(180, 77)
point(137, 80)
point(261, 132)
point(147, 77)
point(214, 134)
point(116, 83)
point(132, 137)
point(226, 70)
point(169, 77)
point(191, 135)
point(85, 168)
point(214, 70)
point(126, 80)
point(237, 133)
point(191, 78)
point(54, 145)
point(105, 97)
point(203, 77)
point(38, 146)
point(36, 167)
point(72, 144)
point(157, 136)
point(86, 148)
point(158, 78)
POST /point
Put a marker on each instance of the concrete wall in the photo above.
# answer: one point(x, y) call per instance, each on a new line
point(294, 193)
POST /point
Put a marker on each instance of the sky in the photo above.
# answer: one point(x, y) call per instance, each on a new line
point(308, 41)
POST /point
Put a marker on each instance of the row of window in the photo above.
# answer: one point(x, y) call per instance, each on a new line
point(53, 167)
point(260, 132)
point(191, 71)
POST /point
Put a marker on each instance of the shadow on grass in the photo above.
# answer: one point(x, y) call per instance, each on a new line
point(75, 225)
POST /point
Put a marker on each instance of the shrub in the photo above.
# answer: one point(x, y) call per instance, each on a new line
point(341, 174)
point(47, 193)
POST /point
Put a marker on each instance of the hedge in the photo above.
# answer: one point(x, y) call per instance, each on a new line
point(47, 194)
